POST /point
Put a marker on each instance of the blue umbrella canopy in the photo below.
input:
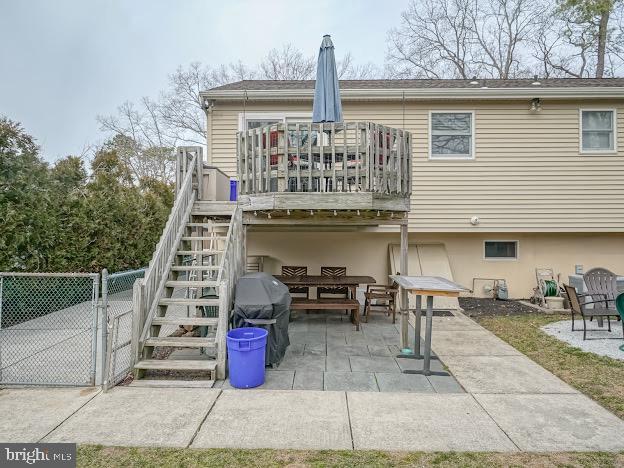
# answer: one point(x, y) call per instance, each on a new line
point(327, 106)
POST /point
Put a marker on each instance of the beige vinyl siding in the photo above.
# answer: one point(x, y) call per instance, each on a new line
point(527, 174)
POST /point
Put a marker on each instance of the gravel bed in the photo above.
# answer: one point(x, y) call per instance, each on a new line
point(599, 340)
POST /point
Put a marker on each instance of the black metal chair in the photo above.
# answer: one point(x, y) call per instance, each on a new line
point(580, 307)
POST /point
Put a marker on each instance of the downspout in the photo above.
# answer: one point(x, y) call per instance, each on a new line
point(208, 108)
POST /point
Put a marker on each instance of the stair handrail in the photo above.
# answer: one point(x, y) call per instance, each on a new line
point(159, 267)
point(231, 268)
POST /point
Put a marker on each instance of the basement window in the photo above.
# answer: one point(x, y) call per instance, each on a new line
point(500, 250)
point(598, 130)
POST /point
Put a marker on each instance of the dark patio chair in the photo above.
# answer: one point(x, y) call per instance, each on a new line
point(334, 290)
point(384, 295)
point(578, 306)
point(297, 271)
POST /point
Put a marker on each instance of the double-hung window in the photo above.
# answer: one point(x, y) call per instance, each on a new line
point(598, 130)
point(451, 135)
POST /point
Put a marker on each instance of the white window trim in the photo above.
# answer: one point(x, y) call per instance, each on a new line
point(502, 259)
point(243, 116)
point(614, 129)
point(452, 157)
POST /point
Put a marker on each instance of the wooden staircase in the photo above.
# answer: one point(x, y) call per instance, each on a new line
point(190, 298)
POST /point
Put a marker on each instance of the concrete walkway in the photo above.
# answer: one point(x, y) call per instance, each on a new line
point(511, 404)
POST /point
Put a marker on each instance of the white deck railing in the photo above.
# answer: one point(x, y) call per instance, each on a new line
point(329, 157)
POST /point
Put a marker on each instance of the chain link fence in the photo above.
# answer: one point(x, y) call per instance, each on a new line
point(48, 328)
point(117, 301)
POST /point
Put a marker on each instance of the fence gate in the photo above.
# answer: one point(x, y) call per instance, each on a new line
point(48, 327)
point(117, 301)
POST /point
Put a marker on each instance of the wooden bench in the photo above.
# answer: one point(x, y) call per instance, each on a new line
point(301, 303)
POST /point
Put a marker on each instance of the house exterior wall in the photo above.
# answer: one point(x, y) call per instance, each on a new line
point(527, 182)
point(527, 175)
point(367, 253)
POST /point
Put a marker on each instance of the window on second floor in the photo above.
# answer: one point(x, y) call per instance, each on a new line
point(451, 135)
point(598, 131)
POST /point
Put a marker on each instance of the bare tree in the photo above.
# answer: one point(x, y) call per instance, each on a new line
point(288, 63)
point(139, 140)
point(583, 39)
point(463, 38)
point(349, 70)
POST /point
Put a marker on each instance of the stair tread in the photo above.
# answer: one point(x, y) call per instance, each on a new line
point(203, 252)
point(194, 267)
point(169, 383)
point(181, 342)
point(190, 284)
point(197, 321)
point(177, 364)
point(205, 238)
point(184, 301)
point(196, 224)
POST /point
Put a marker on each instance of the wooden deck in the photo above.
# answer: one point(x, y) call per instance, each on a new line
point(359, 166)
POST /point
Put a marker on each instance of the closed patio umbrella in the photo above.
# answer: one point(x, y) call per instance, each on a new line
point(327, 106)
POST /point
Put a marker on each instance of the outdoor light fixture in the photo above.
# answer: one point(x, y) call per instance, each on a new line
point(536, 105)
point(474, 81)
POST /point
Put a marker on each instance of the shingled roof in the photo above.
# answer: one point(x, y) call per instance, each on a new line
point(277, 85)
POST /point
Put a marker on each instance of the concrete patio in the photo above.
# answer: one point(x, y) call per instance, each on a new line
point(510, 404)
point(327, 353)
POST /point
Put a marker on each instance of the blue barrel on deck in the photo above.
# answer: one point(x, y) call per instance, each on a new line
point(233, 190)
point(246, 351)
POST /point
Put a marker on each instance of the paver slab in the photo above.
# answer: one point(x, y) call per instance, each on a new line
point(308, 380)
point(350, 381)
point(277, 419)
point(470, 343)
point(303, 362)
point(393, 382)
point(28, 414)
point(445, 384)
point(139, 416)
point(558, 423)
point(373, 364)
point(504, 374)
point(425, 421)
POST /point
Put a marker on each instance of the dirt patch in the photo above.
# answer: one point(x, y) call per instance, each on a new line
point(485, 307)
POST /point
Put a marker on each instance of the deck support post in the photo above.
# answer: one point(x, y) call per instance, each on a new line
point(404, 300)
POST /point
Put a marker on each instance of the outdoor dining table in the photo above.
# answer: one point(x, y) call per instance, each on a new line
point(315, 281)
point(347, 281)
point(429, 286)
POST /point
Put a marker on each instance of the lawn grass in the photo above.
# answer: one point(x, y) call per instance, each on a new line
point(98, 456)
point(600, 378)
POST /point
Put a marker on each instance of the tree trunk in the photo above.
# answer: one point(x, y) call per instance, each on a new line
point(602, 42)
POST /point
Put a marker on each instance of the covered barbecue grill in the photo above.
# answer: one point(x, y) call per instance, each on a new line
point(262, 301)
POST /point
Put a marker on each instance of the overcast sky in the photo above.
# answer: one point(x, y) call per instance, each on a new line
point(62, 62)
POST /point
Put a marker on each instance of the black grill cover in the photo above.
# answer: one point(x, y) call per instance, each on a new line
point(260, 296)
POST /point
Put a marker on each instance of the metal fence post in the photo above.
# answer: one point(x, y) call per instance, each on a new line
point(104, 326)
point(94, 310)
